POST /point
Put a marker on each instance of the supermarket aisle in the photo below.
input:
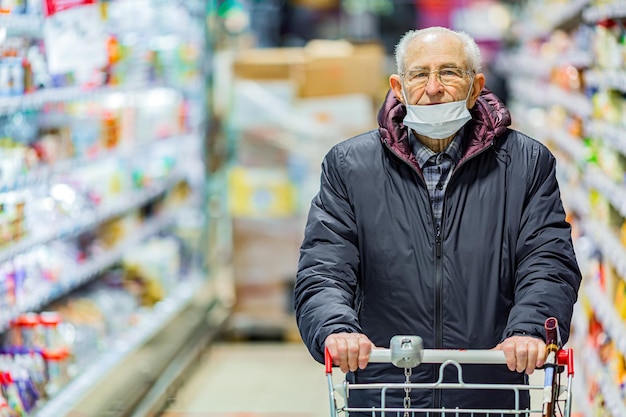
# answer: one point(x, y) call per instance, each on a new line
point(254, 379)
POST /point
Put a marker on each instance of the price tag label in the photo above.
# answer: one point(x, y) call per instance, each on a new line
point(74, 36)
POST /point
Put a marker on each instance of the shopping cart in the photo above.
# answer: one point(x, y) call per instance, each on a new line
point(407, 352)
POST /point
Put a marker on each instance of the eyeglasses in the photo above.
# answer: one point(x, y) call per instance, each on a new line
point(446, 76)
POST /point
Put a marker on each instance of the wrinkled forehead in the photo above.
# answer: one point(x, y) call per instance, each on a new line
point(436, 50)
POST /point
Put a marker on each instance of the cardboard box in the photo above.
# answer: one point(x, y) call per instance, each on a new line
point(261, 192)
point(266, 251)
point(338, 67)
point(317, 4)
point(260, 148)
point(338, 117)
point(321, 68)
point(268, 63)
point(263, 298)
point(258, 104)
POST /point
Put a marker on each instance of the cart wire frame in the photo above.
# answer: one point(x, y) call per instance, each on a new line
point(449, 357)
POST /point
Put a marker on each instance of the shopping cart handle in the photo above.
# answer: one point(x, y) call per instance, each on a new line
point(471, 356)
point(441, 355)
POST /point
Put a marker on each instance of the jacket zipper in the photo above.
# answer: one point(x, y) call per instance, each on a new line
point(438, 336)
point(438, 259)
point(438, 394)
point(438, 304)
point(438, 289)
point(438, 400)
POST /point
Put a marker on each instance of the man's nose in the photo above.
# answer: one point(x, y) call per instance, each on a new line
point(433, 86)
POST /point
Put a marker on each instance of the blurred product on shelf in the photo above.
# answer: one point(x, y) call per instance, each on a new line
point(130, 57)
point(102, 117)
point(152, 269)
point(88, 129)
point(569, 89)
point(73, 331)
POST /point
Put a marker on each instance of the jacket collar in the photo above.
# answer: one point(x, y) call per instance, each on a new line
point(490, 118)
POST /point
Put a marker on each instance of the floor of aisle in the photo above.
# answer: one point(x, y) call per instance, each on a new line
point(254, 379)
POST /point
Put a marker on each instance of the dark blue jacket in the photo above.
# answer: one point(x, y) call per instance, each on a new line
point(371, 261)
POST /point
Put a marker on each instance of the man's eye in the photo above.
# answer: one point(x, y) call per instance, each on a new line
point(421, 75)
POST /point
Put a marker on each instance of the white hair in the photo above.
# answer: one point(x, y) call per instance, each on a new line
point(472, 52)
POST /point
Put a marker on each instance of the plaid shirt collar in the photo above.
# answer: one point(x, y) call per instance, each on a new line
point(423, 153)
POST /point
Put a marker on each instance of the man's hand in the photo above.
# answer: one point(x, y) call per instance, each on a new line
point(349, 350)
point(523, 353)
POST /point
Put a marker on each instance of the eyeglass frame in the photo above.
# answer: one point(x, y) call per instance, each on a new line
point(464, 71)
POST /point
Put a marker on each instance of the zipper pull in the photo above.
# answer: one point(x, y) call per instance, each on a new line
point(438, 243)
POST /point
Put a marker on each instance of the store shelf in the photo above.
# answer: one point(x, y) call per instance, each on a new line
point(546, 95)
point(150, 323)
point(604, 310)
point(22, 24)
point(576, 200)
point(539, 23)
point(611, 134)
point(45, 294)
point(161, 352)
point(571, 145)
point(581, 181)
point(166, 49)
point(577, 342)
point(614, 193)
point(43, 174)
point(579, 396)
point(523, 64)
point(39, 98)
point(526, 64)
point(576, 58)
point(610, 10)
point(69, 228)
point(610, 392)
point(608, 243)
point(607, 79)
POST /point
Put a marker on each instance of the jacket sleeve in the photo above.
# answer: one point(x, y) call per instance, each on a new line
point(324, 294)
point(547, 275)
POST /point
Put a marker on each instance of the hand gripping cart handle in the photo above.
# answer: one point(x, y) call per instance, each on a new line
point(407, 352)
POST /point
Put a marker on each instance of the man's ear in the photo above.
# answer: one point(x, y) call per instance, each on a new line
point(479, 84)
point(396, 86)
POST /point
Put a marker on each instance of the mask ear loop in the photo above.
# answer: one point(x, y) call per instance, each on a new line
point(406, 102)
point(406, 107)
point(471, 88)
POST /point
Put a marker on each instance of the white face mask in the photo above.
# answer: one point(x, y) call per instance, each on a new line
point(437, 121)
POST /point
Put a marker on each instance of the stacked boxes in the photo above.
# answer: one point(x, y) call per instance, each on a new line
point(320, 69)
point(265, 261)
point(288, 106)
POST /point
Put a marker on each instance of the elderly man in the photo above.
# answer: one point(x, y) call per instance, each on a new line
point(442, 223)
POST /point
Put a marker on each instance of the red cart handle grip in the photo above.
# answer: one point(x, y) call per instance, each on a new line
point(566, 357)
point(328, 361)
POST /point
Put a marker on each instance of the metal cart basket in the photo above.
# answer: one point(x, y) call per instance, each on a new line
point(406, 352)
